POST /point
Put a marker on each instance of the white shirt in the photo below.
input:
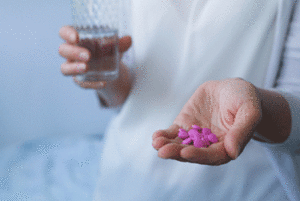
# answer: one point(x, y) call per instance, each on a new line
point(178, 46)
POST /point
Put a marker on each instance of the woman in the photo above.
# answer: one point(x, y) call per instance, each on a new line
point(205, 63)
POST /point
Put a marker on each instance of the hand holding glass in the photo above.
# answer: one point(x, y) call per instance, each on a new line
point(96, 22)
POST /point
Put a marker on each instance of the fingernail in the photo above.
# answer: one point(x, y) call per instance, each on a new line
point(81, 68)
point(84, 56)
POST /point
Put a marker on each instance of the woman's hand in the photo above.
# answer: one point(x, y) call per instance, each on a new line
point(230, 108)
point(78, 57)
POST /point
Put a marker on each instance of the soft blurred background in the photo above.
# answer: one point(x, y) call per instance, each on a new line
point(50, 129)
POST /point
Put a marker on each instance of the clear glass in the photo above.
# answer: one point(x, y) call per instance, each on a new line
point(96, 22)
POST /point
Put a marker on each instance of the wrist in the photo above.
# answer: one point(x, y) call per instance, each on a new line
point(275, 125)
point(116, 91)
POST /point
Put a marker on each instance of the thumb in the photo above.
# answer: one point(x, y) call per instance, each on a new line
point(124, 43)
point(242, 130)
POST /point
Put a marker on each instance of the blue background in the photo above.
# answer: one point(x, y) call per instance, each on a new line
point(50, 129)
point(36, 100)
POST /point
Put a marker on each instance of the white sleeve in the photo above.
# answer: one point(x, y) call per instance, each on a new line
point(288, 82)
point(285, 157)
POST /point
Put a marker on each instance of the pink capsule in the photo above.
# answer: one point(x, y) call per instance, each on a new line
point(212, 138)
point(183, 134)
point(187, 141)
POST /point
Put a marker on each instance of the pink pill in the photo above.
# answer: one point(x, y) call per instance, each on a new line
point(212, 138)
point(183, 134)
point(206, 131)
point(197, 136)
point(187, 141)
point(194, 134)
point(197, 127)
point(199, 143)
point(205, 140)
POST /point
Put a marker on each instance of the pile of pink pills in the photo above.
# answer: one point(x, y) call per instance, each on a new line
point(197, 136)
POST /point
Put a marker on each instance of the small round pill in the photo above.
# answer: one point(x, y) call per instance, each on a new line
point(206, 131)
point(187, 141)
point(197, 136)
point(183, 134)
point(199, 143)
point(196, 127)
point(194, 134)
point(205, 140)
point(212, 138)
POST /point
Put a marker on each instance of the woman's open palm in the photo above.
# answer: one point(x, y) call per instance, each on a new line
point(230, 108)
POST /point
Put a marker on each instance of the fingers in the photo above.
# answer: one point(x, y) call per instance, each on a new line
point(124, 43)
point(69, 50)
point(69, 34)
point(91, 85)
point(168, 143)
point(213, 155)
point(73, 68)
point(172, 151)
point(159, 142)
point(170, 133)
point(78, 57)
point(169, 146)
point(242, 130)
point(74, 53)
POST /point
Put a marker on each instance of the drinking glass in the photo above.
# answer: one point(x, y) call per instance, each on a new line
point(97, 23)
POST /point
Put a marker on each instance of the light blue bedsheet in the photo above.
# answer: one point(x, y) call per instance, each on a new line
point(50, 169)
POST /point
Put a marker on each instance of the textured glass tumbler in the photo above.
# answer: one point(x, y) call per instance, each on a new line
point(96, 22)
